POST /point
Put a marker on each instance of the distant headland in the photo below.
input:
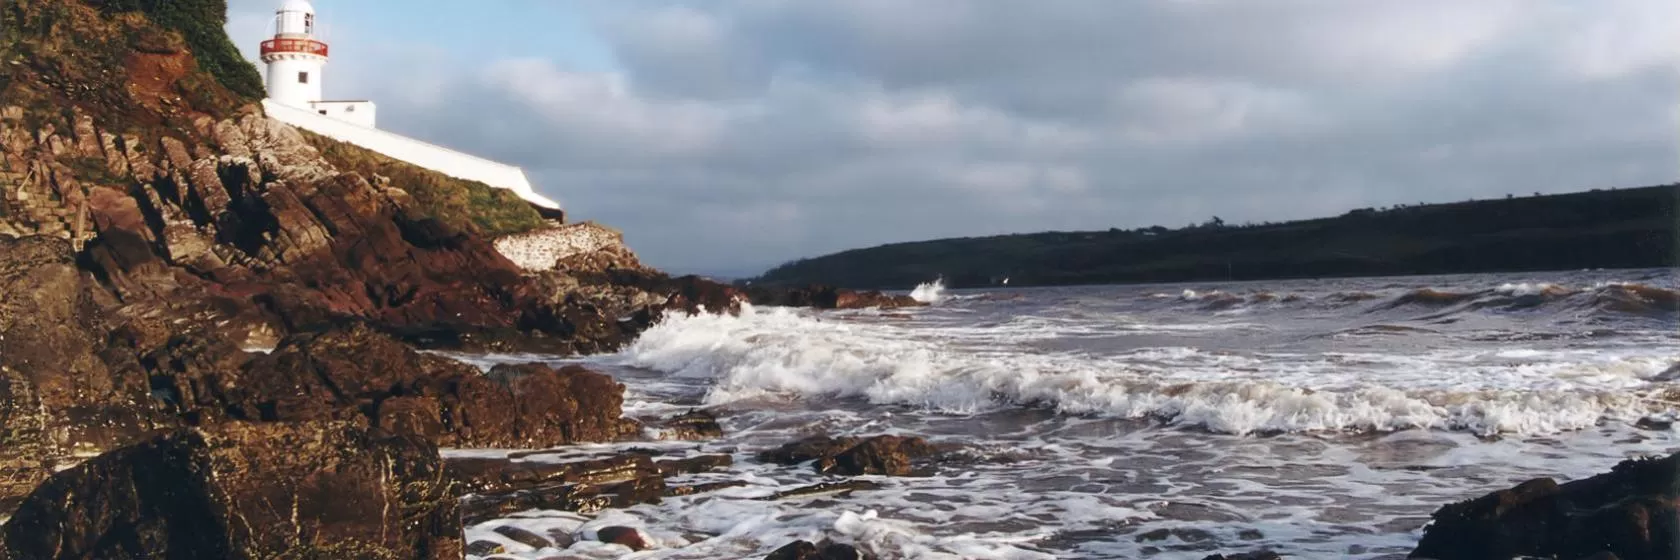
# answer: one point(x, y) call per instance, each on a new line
point(1615, 228)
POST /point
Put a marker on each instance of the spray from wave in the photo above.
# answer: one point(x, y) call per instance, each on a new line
point(929, 292)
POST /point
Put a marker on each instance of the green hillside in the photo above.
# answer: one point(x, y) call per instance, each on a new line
point(1626, 228)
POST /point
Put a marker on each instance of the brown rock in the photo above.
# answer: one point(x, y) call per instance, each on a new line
point(1631, 512)
point(211, 494)
point(420, 416)
point(695, 465)
point(501, 487)
point(804, 550)
point(808, 449)
point(524, 537)
point(828, 297)
point(485, 548)
point(888, 455)
point(622, 535)
point(695, 425)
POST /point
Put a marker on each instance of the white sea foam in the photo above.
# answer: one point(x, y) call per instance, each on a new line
point(780, 353)
point(929, 292)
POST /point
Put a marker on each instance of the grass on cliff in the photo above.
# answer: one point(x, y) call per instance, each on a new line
point(200, 23)
point(132, 65)
point(465, 205)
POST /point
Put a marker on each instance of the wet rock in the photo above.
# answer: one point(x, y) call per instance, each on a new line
point(888, 455)
point(1185, 534)
point(501, 487)
point(808, 449)
point(524, 537)
point(805, 550)
point(1655, 423)
point(695, 425)
point(561, 538)
point(823, 488)
point(695, 465)
point(1257, 555)
point(485, 548)
point(625, 536)
point(1630, 512)
point(885, 455)
point(690, 490)
point(828, 297)
point(210, 493)
point(355, 370)
point(568, 405)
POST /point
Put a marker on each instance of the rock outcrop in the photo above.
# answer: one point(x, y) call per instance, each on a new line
point(884, 455)
point(828, 297)
point(1631, 512)
point(805, 550)
point(503, 486)
point(306, 490)
point(359, 372)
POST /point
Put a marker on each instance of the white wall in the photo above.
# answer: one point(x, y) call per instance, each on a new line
point(443, 160)
point(356, 112)
point(283, 84)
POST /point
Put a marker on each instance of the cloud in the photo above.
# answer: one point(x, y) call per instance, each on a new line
point(730, 135)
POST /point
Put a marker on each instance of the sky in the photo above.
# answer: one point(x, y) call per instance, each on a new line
point(727, 136)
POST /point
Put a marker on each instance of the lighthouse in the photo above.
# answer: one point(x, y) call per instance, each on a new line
point(297, 60)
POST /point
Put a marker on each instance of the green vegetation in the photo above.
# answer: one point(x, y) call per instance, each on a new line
point(59, 54)
point(201, 24)
point(465, 205)
point(1632, 228)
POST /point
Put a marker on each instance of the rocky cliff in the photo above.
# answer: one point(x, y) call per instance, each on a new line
point(155, 225)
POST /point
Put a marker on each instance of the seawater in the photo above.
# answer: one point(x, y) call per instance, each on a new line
point(1320, 419)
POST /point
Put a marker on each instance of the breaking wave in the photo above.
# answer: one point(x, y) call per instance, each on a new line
point(929, 292)
point(786, 354)
point(1606, 299)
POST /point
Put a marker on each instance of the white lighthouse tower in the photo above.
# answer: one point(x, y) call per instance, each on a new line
point(296, 59)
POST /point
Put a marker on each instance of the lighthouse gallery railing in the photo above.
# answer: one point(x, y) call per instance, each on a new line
point(304, 46)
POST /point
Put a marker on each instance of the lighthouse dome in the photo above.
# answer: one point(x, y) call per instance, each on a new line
point(297, 6)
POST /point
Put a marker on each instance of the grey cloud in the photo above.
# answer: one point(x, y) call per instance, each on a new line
point(742, 133)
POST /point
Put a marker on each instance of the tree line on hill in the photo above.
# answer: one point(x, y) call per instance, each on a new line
point(1615, 228)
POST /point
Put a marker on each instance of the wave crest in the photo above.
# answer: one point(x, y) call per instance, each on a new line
point(781, 353)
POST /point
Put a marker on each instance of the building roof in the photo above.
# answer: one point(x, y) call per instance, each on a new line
point(297, 6)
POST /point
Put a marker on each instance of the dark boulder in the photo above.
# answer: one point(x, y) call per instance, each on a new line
point(827, 297)
point(501, 486)
point(885, 455)
point(1632, 512)
point(805, 550)
point(247, 491)
point(625, 536)
point(1256, 555)
point(694, 425)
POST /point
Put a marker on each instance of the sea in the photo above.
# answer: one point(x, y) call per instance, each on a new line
point(1316, 418)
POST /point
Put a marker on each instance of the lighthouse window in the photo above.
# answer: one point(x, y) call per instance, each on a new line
point(309, 23)
point(303, 77)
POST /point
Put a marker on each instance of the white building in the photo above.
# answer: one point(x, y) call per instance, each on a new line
point(296, 60)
